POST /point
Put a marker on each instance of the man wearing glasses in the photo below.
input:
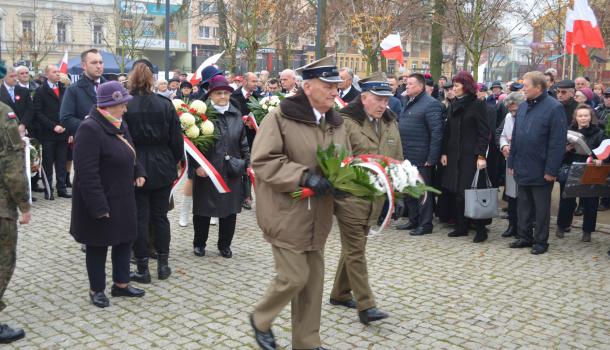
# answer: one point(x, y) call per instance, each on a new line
point(565, 95)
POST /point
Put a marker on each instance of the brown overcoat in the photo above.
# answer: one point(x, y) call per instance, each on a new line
point(283, 150)
point(363, 139)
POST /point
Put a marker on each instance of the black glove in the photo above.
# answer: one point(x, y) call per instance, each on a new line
point(319, 184)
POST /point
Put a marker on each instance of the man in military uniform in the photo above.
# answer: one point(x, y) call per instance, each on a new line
point(371, 128)
point(284, 160)
point(13, 194)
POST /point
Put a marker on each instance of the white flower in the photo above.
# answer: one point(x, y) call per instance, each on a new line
point(207, 128)
point(377, 183)
point(199, 106)
point(192, 132)
point(177, 103)
point(265, 107)
point(187, 119)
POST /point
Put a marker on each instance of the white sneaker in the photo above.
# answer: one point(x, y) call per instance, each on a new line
point(213, 221)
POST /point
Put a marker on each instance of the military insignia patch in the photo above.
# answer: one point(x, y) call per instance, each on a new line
point(11, 115)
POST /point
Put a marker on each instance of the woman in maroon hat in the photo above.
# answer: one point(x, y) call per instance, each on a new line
point(230, 156)
point(103, 202)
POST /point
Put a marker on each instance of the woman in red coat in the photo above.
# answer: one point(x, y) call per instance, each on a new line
point(103, 202)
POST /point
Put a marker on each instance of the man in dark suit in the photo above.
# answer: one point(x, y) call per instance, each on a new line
point(347, 92)
point(52, 135)
point(81, 96)
point(240, 98)
point(24, 79)
point(18, 98)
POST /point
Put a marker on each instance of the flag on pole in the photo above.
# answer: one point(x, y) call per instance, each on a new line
point(603, 151)
point(196, 78)
point(571, 46)
point(586, 29)
point(391, 48)
point(63, 65)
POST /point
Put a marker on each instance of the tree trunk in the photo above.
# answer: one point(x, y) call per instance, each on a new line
point(251, 55)
point(476, 58)
point(466, 60)
point(323, 28)
point(436, 40)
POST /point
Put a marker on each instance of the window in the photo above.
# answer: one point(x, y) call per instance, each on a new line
point(208, 7)
point(206, 32)
point(98, 34)
point(62, 31)
point(27, 29)
point(148, 26)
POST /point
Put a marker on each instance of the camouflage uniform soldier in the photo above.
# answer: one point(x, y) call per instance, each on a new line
point(13, 195)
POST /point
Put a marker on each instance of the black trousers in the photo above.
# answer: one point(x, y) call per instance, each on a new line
point(567, 206)
point(512, 211)
point(226, 230)
point(419, 214)
point(55, 155)
point(96, 265)
point(246, 186)
point(152, 207)
point(534, 201)
point(463, 223)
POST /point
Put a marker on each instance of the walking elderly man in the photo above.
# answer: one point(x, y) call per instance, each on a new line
point(537, 147)
point(421, 132)
point(371, 128)
point(284, 160)
point(13, 195)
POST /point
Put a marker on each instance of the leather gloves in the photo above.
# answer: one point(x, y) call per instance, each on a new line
point(319, 184)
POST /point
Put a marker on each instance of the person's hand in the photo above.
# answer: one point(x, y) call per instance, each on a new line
point(59, 129)
point(249, 123)
point(25, 217)
point(511, 171)
point(22, 130)
point(598, 162)
point(550, 178)
point(481, 164)
point(70, 139)
point(505, 151)
point(200, 172)
point(319, 184)
point(140, 181)
point(444, 160)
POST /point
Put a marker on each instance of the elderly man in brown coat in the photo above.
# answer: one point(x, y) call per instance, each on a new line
point(371, 129)
point(284, 160)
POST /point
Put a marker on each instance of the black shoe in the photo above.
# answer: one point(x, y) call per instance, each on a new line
point(226, 253)
point(586, 236)
point(350, 304)
point(49, 196)
point(560, 232)
point(609, 253)
point(420, 231)
point(247, 204)
point(481, 236)
point(265, 340)
point(128, 291)
point(520, 243)
point(199, 251)
point(602, 207)
point(99, 299)
point(142, 274)
point(9, 335)
point(407, 226)
point(578, 211)
point(163, 270)
point(511, 231)
point(457, 233)
point(538, 249)
point(373, 314)
point(63, 194)
point(37, 188)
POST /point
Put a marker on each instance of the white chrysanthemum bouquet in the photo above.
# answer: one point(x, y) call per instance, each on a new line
point(197, 123)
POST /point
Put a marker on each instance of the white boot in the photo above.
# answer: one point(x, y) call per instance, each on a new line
point(185, 211)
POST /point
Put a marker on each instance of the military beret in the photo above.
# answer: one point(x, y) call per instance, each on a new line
point(566, 84)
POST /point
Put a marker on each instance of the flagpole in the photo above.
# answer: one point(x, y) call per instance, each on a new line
point(572, 64)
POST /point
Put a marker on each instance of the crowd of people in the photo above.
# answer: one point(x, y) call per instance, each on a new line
point(118, 143)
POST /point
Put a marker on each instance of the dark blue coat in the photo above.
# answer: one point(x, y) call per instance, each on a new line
point(421, 130)
point(538, 141)
point(77, 102)
point(395, 105)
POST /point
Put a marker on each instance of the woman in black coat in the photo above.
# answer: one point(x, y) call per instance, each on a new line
point(155, 129)
point(584, 122)
point(207, 201)
point(465, 144)
point(103, 202)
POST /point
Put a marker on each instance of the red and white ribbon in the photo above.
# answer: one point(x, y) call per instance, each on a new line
point(340, 102)
point(209, 169)
point(250, 173)
point(387, 184)
point(251, 119)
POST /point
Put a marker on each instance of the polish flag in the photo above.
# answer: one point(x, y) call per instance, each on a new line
point(196, 78)
point(603, 151)
point(572, 47)
point(391, 48)
point(585, 28)
point(63, 65)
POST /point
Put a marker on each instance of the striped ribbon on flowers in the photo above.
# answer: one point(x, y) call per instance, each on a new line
point(387, 184)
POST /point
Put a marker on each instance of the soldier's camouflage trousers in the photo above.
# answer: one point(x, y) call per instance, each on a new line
point(8, 254)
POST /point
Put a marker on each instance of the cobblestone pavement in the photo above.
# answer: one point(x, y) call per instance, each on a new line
point(442, 293)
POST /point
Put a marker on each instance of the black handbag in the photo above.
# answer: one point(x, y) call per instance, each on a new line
point(236, 167)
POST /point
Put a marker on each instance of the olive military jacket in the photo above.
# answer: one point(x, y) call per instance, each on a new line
point(14, 191)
